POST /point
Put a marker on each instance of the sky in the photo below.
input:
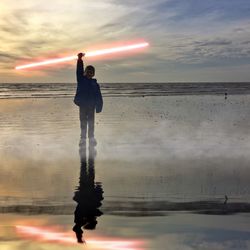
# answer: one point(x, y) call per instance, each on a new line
point(190, 40)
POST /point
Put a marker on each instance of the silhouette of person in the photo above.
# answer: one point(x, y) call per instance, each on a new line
point(89, 99)
point(88, 195)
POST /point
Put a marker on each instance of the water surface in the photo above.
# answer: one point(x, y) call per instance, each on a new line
point(165, 163)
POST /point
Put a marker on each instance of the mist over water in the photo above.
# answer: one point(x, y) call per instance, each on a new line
point(165, 148)
point(166, 157)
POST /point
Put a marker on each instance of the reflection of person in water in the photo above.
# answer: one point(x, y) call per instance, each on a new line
point(89, 99)
point(88, 195)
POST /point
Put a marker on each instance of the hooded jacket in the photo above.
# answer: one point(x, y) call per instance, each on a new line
point(88, 93)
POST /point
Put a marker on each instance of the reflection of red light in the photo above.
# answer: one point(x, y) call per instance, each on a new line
point(44, 234)
point(100, 52)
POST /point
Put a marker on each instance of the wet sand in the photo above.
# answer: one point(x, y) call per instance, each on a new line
point(156, 155)
point(185, 148)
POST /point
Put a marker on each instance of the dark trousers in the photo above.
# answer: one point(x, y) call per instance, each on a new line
point(87, 120)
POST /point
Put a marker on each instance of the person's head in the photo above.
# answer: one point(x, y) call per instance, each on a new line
point(89, 71)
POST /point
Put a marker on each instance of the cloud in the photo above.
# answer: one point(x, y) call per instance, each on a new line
point(174, 40)
point(222, 10)
point(180, 33)
point(4, 56)
point(216, 42)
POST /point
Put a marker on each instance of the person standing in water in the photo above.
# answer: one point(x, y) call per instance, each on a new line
point(89, 99)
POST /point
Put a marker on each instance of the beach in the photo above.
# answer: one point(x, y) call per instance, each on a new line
point(173, 164)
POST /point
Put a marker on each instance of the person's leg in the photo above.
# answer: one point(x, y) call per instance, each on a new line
point(91, 126)
point(83, 122)
point(91, 122)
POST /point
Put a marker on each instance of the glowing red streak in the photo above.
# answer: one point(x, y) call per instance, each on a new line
point(49, 235)
point(88, 54)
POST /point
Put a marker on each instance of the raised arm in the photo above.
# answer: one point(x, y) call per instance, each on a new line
point(79, 67)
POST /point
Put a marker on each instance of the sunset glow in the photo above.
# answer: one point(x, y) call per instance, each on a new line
point(87, 54)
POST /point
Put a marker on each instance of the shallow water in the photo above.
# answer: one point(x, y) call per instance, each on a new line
point(156, 155)
point(176, 231)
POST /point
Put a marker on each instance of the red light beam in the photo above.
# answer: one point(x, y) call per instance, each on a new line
point(50, 235)
point(87, 54)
